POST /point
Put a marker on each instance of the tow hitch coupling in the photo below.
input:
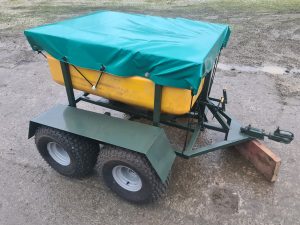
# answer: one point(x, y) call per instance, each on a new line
point(278, 135)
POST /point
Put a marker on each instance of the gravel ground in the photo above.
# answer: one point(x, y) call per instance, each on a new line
point(260, 69)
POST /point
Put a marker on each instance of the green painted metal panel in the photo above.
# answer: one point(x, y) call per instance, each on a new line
point(235, 136)
point(162, 155)
point(131, 135)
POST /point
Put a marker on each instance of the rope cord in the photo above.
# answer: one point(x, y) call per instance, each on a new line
point(40, 52)
point(81, 74)
point(102, 69)
point(64, 60)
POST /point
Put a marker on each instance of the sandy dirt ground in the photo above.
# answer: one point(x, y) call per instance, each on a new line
point(260, 69)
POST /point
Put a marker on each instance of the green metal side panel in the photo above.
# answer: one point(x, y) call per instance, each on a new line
point(139, 137)
point(163, 162)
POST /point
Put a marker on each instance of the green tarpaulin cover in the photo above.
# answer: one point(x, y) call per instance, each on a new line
point(172, 52)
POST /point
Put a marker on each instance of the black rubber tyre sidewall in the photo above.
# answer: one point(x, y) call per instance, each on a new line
point(83, 152)
point(143, 195)
point(42, 148)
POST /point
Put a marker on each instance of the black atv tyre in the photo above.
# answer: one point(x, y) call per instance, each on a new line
point(69, 154)
point(130, 175)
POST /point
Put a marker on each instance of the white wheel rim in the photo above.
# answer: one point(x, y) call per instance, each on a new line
point(127, 178)
point(58, 153)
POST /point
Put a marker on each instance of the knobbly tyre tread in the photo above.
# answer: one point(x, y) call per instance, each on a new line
point(83, 152)
point(158, 188)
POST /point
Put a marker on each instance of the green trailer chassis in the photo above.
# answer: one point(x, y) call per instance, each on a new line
point(151, 140)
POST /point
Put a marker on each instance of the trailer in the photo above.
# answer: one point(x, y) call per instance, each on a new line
point(159, 69)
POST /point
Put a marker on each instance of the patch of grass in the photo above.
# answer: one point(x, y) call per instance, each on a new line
point(260, 5)
point(17, 15)
point(51, 12)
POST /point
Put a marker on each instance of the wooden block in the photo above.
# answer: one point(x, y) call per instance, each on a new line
point(263, 159)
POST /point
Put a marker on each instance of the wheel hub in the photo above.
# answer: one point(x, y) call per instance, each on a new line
point(58, 153)
point(127, 178)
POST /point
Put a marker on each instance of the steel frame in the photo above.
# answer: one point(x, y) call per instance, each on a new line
point(233, 132)
point(228, 125)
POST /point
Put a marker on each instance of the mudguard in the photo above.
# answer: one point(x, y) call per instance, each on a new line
point(146, 139)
